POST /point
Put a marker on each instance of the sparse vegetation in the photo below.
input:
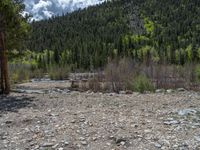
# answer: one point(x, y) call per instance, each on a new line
point(141, 84)
point(57, 72)
point(118, 73)
point(19, 73)
point(94, 85)
point(197, 72)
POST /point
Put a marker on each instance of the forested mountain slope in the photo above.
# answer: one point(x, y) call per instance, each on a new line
point(160, 30)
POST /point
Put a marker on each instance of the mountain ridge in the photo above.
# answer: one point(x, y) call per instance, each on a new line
point(163, 31)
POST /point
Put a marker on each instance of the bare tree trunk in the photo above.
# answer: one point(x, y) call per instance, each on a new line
point(4, 67)
point(1, 67)
point(1, 70)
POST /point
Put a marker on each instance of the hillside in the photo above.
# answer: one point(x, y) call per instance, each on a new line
point(165, 31)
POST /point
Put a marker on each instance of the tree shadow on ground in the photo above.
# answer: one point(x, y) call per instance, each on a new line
point(14, 103)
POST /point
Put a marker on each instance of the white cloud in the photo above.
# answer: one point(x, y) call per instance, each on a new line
point(42, 9)
point(41, 5)
point(47, 13)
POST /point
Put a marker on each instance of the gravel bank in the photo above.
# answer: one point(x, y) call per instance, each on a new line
point(64, 120)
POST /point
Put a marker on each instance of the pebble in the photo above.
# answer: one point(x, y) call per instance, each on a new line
point(160, 91)
point(111, 94)
point(122, 143)
point(169, 91)
point(147, 131)
point(48, 144)
point(32, 143)
point(56, 145)
point(73, 121)
point(78, 145)
point(82, 138)
point(187, 112)
point(120, 139)
point(94, 138)
point(181, 90)
point(197, 138)
point(108, 144)
point(171, 121)
point(66, 143)
point(37, 147)
point(157, 145)
point(84, 142)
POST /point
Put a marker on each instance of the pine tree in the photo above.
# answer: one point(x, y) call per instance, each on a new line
point(13, 27)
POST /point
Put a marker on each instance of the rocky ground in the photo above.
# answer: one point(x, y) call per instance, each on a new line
point(46, 115)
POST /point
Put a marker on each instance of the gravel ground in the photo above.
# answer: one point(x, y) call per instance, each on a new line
point(67, 120)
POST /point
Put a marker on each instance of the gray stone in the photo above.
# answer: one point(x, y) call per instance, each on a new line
point(66, 143)
point(147, 131)
point(94, 138)
point(73, 121)
point(82, 118)
point(169, 91)
point(197, 138)
point(32, 143)
point(170, 121)
point(84, 142)
point(181, 90)
point(78, 145)
point(108, 144)
point(111, 94)
point(47, 144)
point(160, 91)
point(157, 145)
point(82, 138)
point(122, 143)
point(118, 140)
point(187, 112)
point(55, 146)
point(37, 147)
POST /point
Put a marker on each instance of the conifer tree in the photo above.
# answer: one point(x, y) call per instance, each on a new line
point(13, 27)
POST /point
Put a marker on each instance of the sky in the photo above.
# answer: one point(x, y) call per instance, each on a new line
point(43, 9)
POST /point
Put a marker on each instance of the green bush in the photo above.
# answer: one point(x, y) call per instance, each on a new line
point(141, 84)
point(197, 72)
point(57, 72)
point(19, 75)
point(37, 73)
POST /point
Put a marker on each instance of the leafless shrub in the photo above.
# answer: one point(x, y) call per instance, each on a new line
point(94, 84)
point(119, 74)
point(170, 76)
point(125, 75)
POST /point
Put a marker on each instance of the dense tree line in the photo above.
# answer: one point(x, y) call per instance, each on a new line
point(156, 30)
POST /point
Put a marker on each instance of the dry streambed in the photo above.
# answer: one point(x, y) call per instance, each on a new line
point(45, 115)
